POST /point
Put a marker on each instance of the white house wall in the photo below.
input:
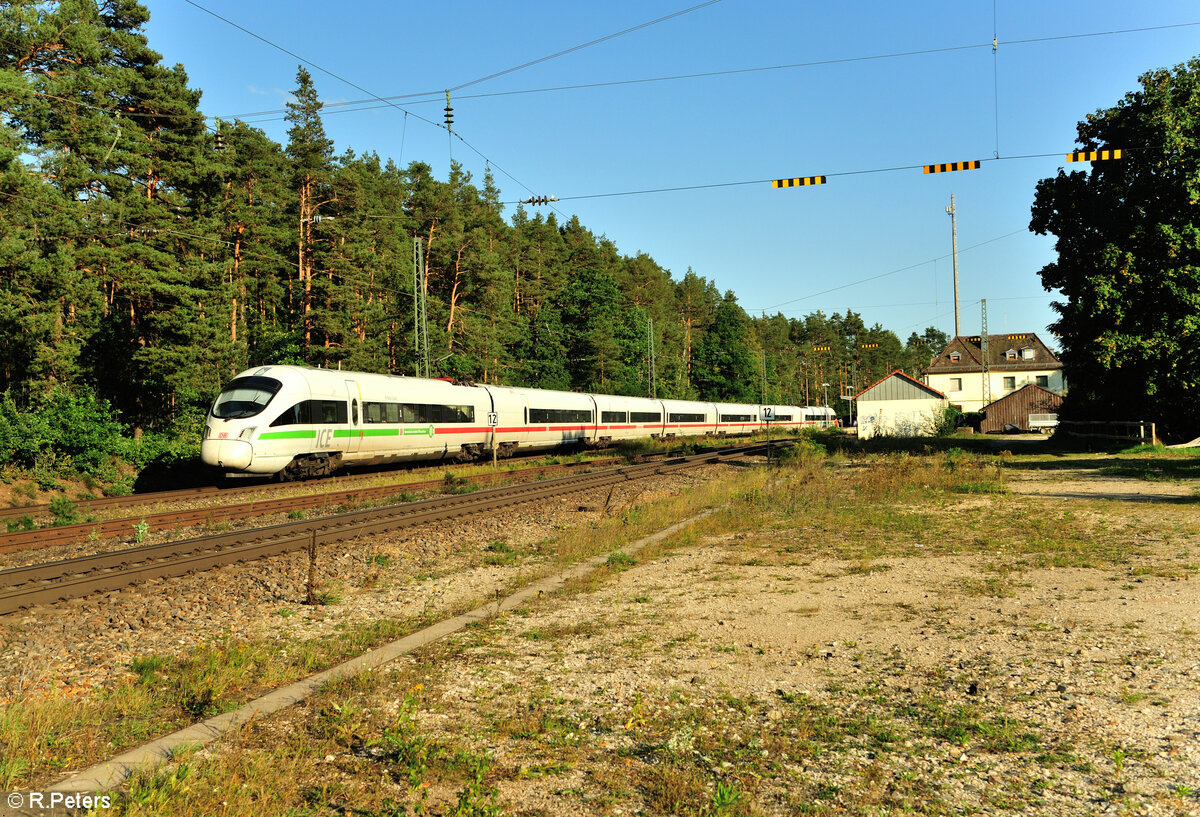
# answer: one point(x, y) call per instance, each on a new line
point(898, 418)
point(970, 396)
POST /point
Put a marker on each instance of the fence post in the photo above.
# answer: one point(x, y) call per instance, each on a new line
point(311, 595)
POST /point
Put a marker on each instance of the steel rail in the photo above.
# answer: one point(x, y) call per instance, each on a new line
point(205, 491)
point(102, 502)
point(82, 531)
point(71, 578)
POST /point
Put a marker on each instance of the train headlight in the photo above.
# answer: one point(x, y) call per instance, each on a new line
point(247, 432)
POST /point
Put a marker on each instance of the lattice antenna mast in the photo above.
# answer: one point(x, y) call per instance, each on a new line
point(986, 366)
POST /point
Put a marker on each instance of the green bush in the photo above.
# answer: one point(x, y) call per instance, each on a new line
point(64, 511)
point(947, 422)
point(62, 433)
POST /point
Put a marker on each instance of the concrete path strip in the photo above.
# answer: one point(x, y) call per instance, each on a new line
point(105, 776)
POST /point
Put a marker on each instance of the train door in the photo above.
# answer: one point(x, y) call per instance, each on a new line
point(355, 436)
point(592, 431)
point(511, 414)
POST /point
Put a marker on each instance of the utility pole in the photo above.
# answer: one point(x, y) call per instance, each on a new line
point(954, 248)
point(986, 366)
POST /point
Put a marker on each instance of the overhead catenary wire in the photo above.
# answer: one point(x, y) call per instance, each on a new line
point(388, 101)
point(588, 44)
point(875, 170)
point(516, 320)
point(747, 182)
point(682, 188)
point(356, 86)
point(353, 106)
point(892, 272)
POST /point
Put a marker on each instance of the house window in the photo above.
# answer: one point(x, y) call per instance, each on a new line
point(1043, 380)
point(956, 384)
point(1011, 354)
point(1027, 353)
point(955, 357)
point(1010, 383)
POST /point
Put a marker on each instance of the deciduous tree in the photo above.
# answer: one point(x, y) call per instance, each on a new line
point(1129, 257)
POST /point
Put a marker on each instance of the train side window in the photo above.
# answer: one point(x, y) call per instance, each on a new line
point(737, 418)
point(296, 415)
point(685, 418)
point(315, 412)
point(354, 410)
point(539, 415)
point(645, 417)
point(331, 412)
point(613, 417)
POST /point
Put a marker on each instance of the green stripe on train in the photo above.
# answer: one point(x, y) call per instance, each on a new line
point(343, 432)
point(367, 432)
point(288, 435)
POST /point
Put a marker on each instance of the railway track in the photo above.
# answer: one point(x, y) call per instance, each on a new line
point(109, 503)
point(72, 578)
point(19, 540)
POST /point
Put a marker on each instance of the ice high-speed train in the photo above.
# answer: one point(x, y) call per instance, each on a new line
point(297, 422)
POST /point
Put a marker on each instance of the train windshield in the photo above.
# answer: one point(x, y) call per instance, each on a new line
point(245, 397)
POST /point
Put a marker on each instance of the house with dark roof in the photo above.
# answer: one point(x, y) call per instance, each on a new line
point(898, 406)
point(1014, 361)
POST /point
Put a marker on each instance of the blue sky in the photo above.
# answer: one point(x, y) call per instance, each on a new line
point(880, 239)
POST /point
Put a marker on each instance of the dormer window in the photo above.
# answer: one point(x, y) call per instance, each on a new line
point(1027, 353)
point(955, 357)
point(1011, 354)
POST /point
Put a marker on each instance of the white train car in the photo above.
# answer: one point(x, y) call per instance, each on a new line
point(785, 417)
point(296, 421)
point(686, 418)
point(627, 418)
point(819, 415)
point(737, 418)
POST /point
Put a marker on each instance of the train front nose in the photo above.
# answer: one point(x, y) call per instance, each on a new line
point(232, 454)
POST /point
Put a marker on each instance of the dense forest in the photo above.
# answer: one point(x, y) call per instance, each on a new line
point(148, 253)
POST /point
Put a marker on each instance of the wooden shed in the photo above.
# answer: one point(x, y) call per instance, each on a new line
point(1015, 409)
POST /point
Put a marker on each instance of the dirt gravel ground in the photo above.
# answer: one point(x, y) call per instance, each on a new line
point(1071, 691)
point(744, 670)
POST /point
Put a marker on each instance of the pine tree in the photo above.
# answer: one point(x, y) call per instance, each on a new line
point(311, 153)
